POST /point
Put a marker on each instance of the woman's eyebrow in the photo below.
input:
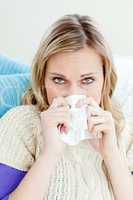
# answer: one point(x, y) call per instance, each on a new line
point(57, 74)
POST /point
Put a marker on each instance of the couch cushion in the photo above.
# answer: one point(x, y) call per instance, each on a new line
point(14, 79)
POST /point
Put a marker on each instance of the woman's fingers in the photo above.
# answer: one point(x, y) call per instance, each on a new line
point(92, 121)
point(92, 111)
point(58, 102)
point(100, 123)
point(99, 128)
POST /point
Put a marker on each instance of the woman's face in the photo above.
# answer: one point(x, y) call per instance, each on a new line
point(78, 72)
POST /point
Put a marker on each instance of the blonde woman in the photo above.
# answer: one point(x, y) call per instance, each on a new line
point(73, 58)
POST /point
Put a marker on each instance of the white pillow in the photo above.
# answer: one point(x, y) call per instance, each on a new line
point(124, 88)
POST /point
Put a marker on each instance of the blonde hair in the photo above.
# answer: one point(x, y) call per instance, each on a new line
point(72, 33)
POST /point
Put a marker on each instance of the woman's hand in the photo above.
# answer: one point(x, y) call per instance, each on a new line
point(100, 121)
point(56, 118)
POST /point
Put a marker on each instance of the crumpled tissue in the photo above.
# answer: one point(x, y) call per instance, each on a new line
point(78, 125)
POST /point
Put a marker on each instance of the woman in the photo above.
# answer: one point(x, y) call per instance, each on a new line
point(73, 58)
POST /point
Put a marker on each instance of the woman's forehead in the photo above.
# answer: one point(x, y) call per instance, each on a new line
point(85, 60)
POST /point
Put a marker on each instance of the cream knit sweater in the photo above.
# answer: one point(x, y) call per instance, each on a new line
point(80, 172)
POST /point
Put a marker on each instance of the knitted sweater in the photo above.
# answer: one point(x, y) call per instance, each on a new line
point(79, 173)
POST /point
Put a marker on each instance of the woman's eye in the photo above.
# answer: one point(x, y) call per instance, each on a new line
point(61, 81)
point(88, 80)
point(58, 80)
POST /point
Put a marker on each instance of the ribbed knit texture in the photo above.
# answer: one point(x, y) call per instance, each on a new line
point(79, 173)
point(11, 66)
point(14, 79)
point(12, 88)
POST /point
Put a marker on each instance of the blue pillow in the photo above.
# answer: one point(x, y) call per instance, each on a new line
point(11, 66)
point(14, 80)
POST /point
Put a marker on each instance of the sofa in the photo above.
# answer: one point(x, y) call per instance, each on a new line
point(14, 79)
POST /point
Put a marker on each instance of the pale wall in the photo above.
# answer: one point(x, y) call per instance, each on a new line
point(22, 23)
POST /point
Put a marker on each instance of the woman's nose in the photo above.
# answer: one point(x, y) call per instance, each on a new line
point(75, 90)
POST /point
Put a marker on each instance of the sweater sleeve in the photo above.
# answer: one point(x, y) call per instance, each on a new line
point(128, 143)
point(17, 148)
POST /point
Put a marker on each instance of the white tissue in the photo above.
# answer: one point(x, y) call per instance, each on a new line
point(78, 125)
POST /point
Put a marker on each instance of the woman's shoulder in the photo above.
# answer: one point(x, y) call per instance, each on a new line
point(23, 120)
point(20, 136)
point(127, 133)
point(127, 141)
point(20, 115)
point(21, 111)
